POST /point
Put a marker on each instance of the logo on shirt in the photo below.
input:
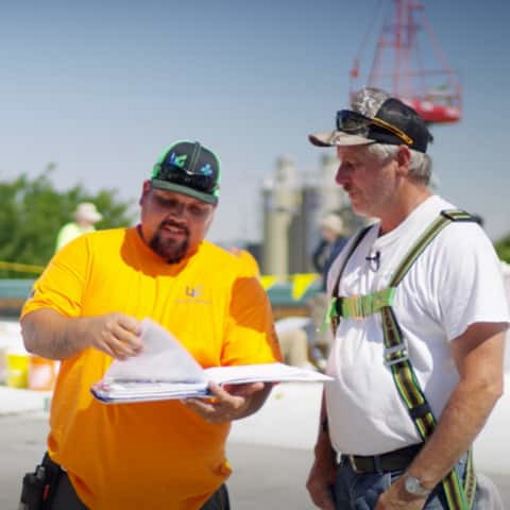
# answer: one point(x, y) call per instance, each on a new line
point(194, 294)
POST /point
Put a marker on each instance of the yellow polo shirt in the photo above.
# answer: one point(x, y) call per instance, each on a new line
point(148, 455)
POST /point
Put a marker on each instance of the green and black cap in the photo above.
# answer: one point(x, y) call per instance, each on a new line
point(188, 168)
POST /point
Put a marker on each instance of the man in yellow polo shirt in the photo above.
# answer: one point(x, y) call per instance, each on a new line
point(86, 310)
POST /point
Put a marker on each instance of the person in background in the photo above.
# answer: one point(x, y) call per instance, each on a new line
point(330, 244)
point(86, 309)
point(418, 313)
point(85, 217)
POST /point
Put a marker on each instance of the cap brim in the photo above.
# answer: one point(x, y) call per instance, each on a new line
point(338, 138)
point(184, 190)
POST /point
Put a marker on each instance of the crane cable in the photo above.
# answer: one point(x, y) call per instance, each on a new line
point(364, 41)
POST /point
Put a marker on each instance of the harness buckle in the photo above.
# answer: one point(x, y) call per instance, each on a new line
point(396, 354)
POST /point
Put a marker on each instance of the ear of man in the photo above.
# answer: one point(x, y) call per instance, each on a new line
point(403, 159)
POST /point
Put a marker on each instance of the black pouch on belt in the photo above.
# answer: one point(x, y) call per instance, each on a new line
point(38, 487)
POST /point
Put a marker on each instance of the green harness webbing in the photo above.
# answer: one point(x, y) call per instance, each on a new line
point(460, 496)
point(333, 312)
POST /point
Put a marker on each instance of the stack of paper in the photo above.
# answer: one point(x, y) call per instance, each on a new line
point(165, 370)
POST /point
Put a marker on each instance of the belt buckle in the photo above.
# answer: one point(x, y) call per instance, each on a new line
point(352, 462)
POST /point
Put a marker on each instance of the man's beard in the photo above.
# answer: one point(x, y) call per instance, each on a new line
point(169, 249)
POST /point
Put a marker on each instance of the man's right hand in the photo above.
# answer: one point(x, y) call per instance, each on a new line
point(320, 484)
point(48, 333)
point(115, 334)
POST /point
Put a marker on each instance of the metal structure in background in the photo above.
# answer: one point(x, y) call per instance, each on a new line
point(293, 204)
point(409, 63)
point(281, 200)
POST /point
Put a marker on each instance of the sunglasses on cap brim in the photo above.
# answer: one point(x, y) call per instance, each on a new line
point(355, 123)
point(204, 179)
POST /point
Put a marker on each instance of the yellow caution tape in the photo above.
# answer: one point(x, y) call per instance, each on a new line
point(21, 268)
point(268, 281)
point(301, 282)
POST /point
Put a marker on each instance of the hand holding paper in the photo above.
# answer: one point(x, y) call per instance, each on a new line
point(229, 402)
point(163, 358)
point(165, 370)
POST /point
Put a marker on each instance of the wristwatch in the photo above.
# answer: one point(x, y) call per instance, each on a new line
point(413, 486)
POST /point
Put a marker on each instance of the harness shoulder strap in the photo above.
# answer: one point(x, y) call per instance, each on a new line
point(354, 245)
point(460, 496)
point(445, 217)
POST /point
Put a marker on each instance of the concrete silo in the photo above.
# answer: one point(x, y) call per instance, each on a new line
point(281, 196)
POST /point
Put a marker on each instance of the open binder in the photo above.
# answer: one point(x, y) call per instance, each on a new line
point(166, 370)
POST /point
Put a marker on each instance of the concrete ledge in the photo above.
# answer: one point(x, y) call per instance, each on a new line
point(15, 401)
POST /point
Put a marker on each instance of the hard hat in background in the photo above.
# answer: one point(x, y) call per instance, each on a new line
point(87, 211)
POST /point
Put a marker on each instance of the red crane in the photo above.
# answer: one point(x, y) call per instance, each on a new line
point(410, 64)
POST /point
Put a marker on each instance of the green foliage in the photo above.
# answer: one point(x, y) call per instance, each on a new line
point(32, 211)
point(503, 248)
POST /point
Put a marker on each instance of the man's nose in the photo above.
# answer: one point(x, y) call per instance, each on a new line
point(342, 175)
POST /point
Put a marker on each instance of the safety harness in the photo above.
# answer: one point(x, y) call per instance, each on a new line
point(459, 495)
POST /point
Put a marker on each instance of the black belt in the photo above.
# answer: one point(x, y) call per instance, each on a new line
point(397, 460)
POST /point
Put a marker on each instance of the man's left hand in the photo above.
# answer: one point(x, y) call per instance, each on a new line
point(397, 498)
point(226, 403)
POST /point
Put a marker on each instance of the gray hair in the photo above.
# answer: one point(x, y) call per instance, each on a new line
point(420, 166)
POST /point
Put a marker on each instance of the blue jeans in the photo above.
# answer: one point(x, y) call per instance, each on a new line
point(360, 491)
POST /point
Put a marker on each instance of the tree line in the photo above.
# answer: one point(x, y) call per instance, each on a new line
point(503, 248)
point(32, 211)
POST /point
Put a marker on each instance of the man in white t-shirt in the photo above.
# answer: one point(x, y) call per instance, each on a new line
point(396, 420)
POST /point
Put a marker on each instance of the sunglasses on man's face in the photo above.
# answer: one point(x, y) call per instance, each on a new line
point(357, 124)
point(203, 179)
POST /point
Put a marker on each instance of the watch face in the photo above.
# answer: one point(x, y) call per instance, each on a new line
point(414, 486)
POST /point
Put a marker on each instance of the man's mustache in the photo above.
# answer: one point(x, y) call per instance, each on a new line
point(176, 224)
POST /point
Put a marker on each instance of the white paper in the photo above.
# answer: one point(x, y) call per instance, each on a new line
point(270, 372)
point(163, 359)
point(166, 370)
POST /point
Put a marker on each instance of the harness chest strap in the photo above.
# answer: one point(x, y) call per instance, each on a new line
point(332, 313)
point(460, 496)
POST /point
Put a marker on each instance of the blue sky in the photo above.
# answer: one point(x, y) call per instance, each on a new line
point(100, 87)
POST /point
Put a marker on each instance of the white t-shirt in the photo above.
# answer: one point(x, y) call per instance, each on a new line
point(454, 283)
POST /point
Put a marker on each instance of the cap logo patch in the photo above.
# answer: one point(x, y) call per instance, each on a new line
point(178, 161)
point(206, 169)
